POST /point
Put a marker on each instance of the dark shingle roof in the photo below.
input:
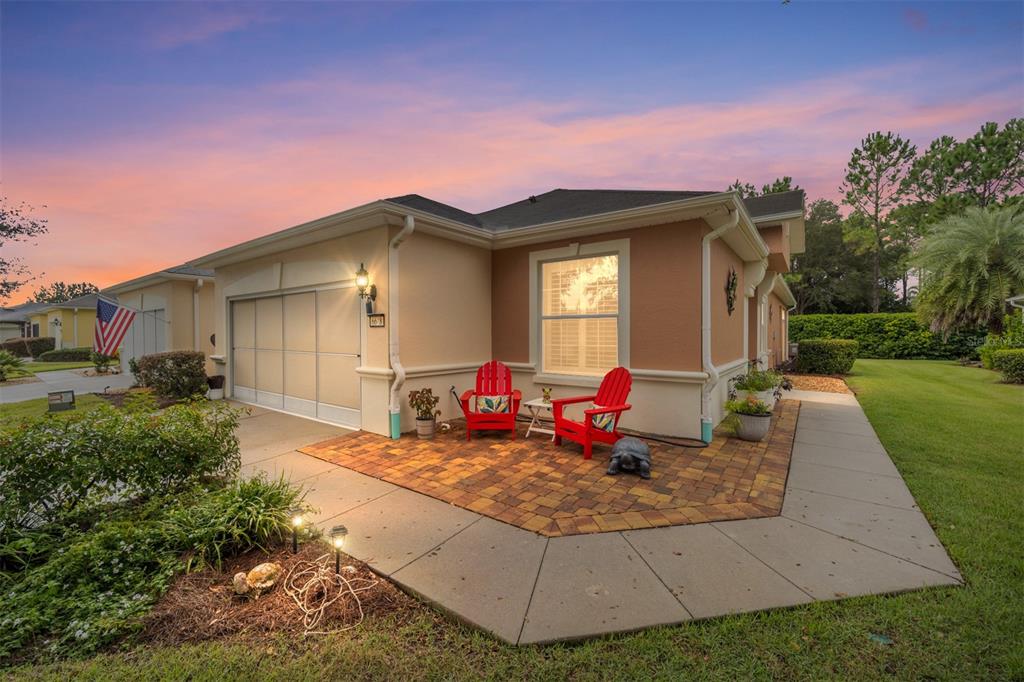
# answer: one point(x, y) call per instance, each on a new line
point(563, 204)
point(86, 301)
point(774, 204)
point(20, 313)
point(189, 270)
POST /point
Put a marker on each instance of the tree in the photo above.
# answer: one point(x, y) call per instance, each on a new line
point(747, 190)
point(972, 263)
point(16, 225)
point(58, 292)
point(876, 182)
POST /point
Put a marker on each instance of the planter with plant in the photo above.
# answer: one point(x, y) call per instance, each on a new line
point(753, 418)
point(216, 384)
point(425, 403)
point(763, 385)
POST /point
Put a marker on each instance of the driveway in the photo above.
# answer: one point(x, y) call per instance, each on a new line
point(848, 527)
point(63, 380)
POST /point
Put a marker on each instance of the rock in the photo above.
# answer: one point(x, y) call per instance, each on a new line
point(241, 586)
point(264, 576)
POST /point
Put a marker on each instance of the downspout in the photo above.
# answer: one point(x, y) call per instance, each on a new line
point(706, 420)
point(196, 341)
point(394, 406)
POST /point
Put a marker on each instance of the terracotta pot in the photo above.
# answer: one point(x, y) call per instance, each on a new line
point(753, 427)
point(425, 427)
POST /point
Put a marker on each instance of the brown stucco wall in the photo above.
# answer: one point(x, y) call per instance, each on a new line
point(777, 240)
point(751, 328)
point(776, 331)
point(664, 295)
point(726, 329)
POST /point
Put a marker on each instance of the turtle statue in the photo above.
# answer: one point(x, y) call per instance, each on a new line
point(632, 455)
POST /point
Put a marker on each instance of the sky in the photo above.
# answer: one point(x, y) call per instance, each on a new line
point(151, 133)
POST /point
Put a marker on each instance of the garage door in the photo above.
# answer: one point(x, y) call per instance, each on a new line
point(147, 335)
point(299, 353)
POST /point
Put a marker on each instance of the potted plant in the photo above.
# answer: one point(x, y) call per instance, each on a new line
point(753, 416)
point(763, 385)
point(425, 403)
point(216, 387)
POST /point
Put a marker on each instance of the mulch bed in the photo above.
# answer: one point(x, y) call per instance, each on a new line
point(203, 606)
point(817, 382)
point(118, 396)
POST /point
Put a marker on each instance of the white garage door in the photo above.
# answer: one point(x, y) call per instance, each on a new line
point(147, 335)
point(299, 353)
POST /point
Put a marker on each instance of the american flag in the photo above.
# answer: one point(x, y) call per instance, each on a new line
point(112, 322)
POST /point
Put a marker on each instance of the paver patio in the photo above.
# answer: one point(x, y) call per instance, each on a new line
point(552, 490)
point(847, 527)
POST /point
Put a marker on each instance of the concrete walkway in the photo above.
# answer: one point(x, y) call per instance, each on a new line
point(63, 380)
point(849, 527)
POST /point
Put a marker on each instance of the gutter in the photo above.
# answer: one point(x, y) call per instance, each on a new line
point(394, 407)
point(706, 421)
point(196, 342)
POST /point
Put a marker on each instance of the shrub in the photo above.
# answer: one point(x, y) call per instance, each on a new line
point(9, 363)
point(887, 335)
point(756, 380)
point(1010, 362)
point(826, 356)
point(174, 374)
point(102, 362)
point(83, 354)
point(29, 347)
point(54, 467)
point(1012, 337)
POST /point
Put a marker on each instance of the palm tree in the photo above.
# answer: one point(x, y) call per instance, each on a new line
point(970, 264)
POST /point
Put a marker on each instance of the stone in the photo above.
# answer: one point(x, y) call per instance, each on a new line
point(240, 585)
point(263, 576)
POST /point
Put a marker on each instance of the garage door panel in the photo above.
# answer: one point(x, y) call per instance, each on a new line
point(243, 324)
point(339, 383)
point(300, 322)
point(268, 323)
point(300, 375)
point(269, 371)
point(338, 321)
point(245, 368)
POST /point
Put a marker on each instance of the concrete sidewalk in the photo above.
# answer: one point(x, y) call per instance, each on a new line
point(63, 380)
point(848, 527)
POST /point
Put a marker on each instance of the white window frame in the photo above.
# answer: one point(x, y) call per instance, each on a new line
point(614, 247)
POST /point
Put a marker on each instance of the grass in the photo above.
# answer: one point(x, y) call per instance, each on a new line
point(36, 367)
point(10, 412)
point(954, 432)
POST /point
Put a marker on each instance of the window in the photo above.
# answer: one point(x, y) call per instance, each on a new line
point(580, 315)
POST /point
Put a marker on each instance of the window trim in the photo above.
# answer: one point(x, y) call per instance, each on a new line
point(617, 247)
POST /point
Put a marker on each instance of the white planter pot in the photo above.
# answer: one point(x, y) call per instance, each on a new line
point(425, 428)
point(215, 393)
point(766, 397)
point(753, 427)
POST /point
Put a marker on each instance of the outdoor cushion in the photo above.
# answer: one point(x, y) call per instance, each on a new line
point(605, 422)
point(490, 404)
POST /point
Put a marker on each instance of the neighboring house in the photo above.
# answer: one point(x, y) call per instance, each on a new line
point(561, 287)
point(15, 320)
point(71, 323)
point(174, 311)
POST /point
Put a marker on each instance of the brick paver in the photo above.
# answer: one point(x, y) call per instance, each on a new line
point(552, 490)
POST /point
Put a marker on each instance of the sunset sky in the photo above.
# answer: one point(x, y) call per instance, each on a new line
point(156, 132)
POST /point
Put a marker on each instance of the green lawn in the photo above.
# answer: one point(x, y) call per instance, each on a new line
point(10, 412)
point(955, 433)
point(36, 367)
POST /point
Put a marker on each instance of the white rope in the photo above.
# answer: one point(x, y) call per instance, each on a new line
point(314, 586)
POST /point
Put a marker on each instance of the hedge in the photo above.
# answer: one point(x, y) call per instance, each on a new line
point(1012, 337)
point(887, 335)
point(1011, 363)
point(826, 356)
point(174, 374)
point(29, 347)
point(83, 354)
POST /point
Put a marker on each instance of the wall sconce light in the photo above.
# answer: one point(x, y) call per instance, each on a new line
point(366, 290)
point(297, 522)
point(338, 534)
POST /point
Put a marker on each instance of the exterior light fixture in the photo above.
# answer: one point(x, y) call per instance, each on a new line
point(297, 522)
point(366, 290)
point(338, 535)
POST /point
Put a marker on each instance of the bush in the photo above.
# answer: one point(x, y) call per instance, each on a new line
point(54, 467)
point(29, 347)
point(174, 374)
point(66, 355)
point(1010, 362)
point(887, 335)
point(102, 362)
point(9, 363)
point(1012, 337)
point(826, 356)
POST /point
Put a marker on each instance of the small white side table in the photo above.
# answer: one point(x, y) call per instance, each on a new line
point(535, 406)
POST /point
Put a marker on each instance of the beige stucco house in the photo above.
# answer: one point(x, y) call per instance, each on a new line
point(682, 288)
point(72, 324)
point(174, 311)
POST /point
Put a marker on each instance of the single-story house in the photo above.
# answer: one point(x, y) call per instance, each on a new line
point(72, 324)
point(15, 321)
point(682, 288)
point(174, 311)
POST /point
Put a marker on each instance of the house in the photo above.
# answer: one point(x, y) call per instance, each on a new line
point(15, 322)
point(72, 323)
point(174, 311)
point(683, 288)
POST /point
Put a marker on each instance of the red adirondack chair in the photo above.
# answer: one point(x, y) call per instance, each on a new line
point(493, 385)
point(610, 403)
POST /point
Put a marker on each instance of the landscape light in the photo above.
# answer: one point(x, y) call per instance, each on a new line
point(338, 534)
point(296, 524)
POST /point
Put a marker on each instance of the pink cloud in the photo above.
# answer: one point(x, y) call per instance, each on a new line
point(915, 19)
point(126, 206)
